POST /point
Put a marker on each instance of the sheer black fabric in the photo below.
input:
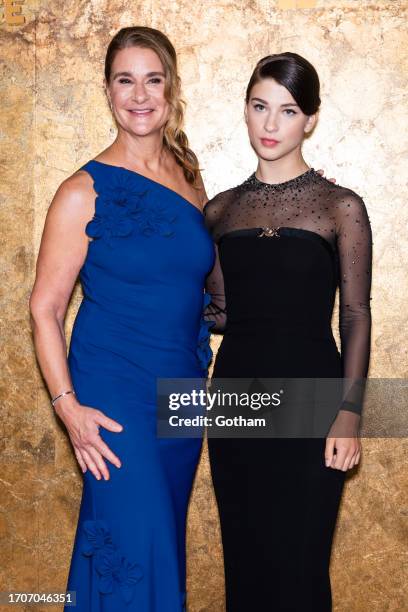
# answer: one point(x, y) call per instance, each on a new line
point(216, 310)
point(308, 206)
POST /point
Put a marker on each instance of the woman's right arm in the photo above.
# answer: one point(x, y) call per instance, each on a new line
point(63, 250)
point(216, 311)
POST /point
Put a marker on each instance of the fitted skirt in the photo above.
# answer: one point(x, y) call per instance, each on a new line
point(277, 501)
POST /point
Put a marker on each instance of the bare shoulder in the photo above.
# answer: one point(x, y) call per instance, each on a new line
point(74, 199)
point(76, 190)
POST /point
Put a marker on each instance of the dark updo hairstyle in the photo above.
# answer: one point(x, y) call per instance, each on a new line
point(174, 137)
point(293, 72)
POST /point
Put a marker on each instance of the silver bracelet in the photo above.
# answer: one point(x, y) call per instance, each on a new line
point(61, 395)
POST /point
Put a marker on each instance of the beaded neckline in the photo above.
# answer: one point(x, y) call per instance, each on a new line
point(254, 181)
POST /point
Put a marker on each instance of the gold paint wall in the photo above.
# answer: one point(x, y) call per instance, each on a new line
point(54, 118)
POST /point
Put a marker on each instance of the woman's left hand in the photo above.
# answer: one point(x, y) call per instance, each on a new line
point(348, 448)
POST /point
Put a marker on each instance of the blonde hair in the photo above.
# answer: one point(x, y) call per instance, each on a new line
point(174, 137)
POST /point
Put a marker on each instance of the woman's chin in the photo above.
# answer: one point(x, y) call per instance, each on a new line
point(140, 129)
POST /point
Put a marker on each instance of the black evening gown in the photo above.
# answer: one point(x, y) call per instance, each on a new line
point(282, 250)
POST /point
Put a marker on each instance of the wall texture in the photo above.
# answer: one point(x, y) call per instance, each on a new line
point(54, 118)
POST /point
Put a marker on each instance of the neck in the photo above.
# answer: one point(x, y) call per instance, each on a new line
point(281, 170)
point(142, 152)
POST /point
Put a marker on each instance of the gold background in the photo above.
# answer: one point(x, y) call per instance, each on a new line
point(54, 118)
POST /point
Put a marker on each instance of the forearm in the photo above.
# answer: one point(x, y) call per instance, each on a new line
point(215, 311)
point(355, 338)
point(51, 351)
point(354, 244)
point(217, 315)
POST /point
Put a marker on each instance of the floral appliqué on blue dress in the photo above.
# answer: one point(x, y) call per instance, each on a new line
point(114, 570)
point(121, 208)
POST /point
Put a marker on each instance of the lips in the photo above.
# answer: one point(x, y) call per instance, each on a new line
point(140, 111)
point(269, 142)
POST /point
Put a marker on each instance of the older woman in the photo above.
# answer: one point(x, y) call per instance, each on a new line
point(129, 222)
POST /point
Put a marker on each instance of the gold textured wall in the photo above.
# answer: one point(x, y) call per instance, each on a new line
point(54, 118)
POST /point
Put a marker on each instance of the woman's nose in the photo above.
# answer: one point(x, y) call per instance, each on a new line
point(139, 93)
point(271, 124)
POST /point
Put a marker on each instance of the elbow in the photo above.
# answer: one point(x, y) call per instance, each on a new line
point(36, 307)
point(354, 317)
point(41, 310)
point(36, 311)
point(33, 309)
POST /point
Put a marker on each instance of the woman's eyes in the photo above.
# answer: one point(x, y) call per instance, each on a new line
point(261, 107)
point(154, 80)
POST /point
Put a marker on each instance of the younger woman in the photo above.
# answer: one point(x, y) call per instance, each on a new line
point(286, 237)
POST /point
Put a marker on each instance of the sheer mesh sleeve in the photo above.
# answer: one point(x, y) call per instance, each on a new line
point(216, 310)
point(354, 243)
point(338, 215)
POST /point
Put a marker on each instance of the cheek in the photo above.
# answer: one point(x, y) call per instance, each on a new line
point(254, 122)
point(159, 98)
point(164, 107)
point(294, 129)
point(118, 95)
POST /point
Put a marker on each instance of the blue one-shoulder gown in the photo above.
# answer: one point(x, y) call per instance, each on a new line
point(140, 319)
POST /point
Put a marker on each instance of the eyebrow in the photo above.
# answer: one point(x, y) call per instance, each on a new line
point(129, 74)
point(282, 105)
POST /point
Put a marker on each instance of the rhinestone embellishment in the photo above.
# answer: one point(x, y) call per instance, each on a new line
point(268, 232)
point(254, 182)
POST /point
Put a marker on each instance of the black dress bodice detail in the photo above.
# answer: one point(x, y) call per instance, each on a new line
point(282, 251)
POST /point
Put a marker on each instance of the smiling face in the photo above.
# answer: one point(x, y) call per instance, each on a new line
point(276, 124)
point(136, 91)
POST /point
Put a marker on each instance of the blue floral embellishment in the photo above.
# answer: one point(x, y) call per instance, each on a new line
point(99, 537)
point(204, 351)
point(122, 192)
point(153, 220)
point(121, 207)
point(114, 570)
point(113, 221)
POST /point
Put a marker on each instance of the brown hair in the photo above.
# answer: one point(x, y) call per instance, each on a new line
point(293, 72)
point(174, 137)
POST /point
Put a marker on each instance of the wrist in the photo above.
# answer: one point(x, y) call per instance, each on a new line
point(346, 424)
point(60, 395)
point(64, 400)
